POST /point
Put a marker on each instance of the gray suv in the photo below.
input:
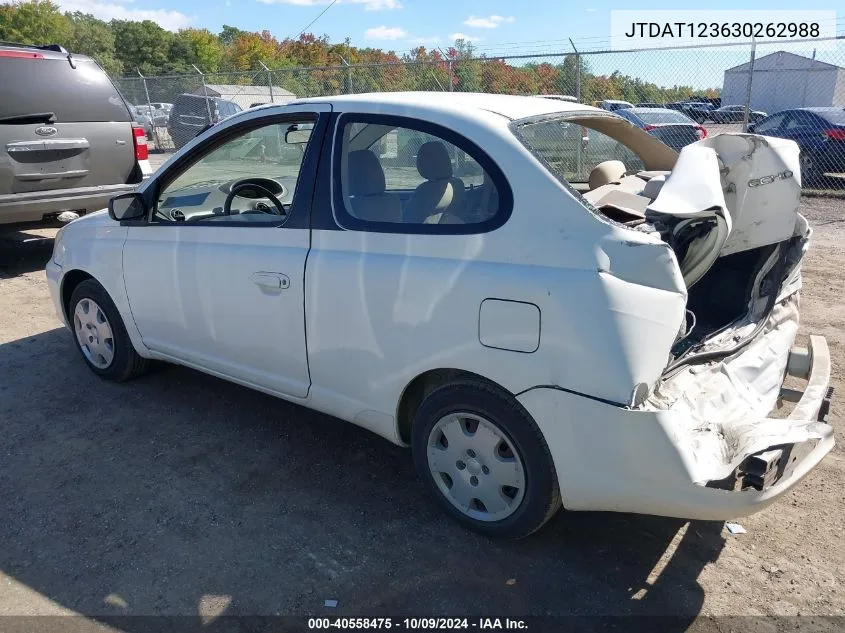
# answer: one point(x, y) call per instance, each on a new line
point(68, 142)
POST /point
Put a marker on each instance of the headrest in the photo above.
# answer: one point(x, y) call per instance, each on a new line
point(605, 173)
point(433, 161)
point(366, 176)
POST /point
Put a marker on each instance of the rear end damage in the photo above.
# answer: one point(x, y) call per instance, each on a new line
point(700, 442)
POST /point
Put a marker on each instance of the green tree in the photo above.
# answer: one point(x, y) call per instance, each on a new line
point(144, 46)
point(229, 34)
point(36, 22)
point(195, 46)
point(93, 37)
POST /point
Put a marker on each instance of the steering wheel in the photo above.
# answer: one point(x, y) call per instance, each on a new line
point(249, 184)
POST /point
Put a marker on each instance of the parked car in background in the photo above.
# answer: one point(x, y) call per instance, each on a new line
point(627, 361)
point(696, 110)
point(158, 116)
point(819, 132)
point(68, 141)
point(613, 104)
point(143, 119)
point(191, 114)
point(735, 114)
point(649, 104)
point(673, 128)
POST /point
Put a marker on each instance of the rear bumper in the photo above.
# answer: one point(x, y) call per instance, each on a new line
point(34, 206)
point(661, 463)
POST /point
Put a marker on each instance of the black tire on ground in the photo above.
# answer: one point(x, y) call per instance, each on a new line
point(810, 174)
point(126, 363)
point(541, 497)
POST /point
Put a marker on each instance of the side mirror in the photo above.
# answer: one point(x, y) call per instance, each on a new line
point(127, 206)
point(298, 136)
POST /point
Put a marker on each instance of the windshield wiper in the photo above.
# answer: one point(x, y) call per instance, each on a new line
point(35, 117)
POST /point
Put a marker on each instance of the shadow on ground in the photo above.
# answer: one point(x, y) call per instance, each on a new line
point(22, 252)
point(179, 493)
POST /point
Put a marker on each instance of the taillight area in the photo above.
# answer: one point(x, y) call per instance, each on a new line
point(836, 134)
point(139, 137)
point(21, 54)
point(702, 133)
point(649, 128)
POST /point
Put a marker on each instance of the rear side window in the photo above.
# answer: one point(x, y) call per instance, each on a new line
point(572, 151)
point(81, 94)
point(402, 175)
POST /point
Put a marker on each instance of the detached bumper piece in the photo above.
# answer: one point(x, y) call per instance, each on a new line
point(762, 470)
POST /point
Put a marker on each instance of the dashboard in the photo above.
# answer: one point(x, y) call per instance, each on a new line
point(206, 201)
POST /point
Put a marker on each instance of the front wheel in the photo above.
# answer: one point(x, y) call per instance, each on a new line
point(100, 334)
point(484, 459)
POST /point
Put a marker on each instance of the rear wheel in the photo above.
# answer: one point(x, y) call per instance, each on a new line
point(484, 459)
point(100, 334)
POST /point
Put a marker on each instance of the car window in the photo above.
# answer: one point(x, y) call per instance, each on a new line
point(770, 124)
point(834, 117)
point(799, 119)
point(573, 151)
point(270, 157)
point(405, 175)
point(81, 94)
point(665, 117)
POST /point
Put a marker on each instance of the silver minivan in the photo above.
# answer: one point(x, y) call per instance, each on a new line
point(68, 142)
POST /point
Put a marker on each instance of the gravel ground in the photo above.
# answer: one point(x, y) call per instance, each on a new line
point(179, 493)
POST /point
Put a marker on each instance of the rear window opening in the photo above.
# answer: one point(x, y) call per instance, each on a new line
point(34, 84)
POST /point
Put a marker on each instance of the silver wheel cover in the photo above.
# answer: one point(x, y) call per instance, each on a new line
point(93, 333)
point(476, 467)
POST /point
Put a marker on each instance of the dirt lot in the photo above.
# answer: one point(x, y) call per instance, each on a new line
point(182, 494)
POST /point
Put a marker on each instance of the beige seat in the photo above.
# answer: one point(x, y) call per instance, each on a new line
point(605, 173)
point(367, 189)
point(440, 199)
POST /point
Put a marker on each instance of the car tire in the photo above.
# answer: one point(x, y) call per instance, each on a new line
point(497, 453)
point(810, 174)
point(100, 335)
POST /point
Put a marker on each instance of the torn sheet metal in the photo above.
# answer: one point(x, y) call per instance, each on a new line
point(725, 404)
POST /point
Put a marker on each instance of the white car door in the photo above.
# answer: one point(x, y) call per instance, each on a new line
point(215, 276)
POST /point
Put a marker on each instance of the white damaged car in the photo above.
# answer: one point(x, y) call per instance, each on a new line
point(548, 305)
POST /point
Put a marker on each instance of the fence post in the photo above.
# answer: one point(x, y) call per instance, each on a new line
point(750, 81)
point(150, 106)
point(577, 71)
point(269, 80)
point(580, 161)
point(205, 93)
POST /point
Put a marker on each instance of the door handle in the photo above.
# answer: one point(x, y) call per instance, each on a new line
point(271, 281)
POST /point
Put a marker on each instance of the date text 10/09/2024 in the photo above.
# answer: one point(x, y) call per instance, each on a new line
point(418, 624)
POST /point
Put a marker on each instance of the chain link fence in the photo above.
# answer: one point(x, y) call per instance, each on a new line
point(722, 88)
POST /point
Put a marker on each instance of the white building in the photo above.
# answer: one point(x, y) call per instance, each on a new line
point(245, 96)
point(785, 80)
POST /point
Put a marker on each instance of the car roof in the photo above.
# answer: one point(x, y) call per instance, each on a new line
point(637, 110)
point(823, 110)
point(48, 51)
point(509, 106)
